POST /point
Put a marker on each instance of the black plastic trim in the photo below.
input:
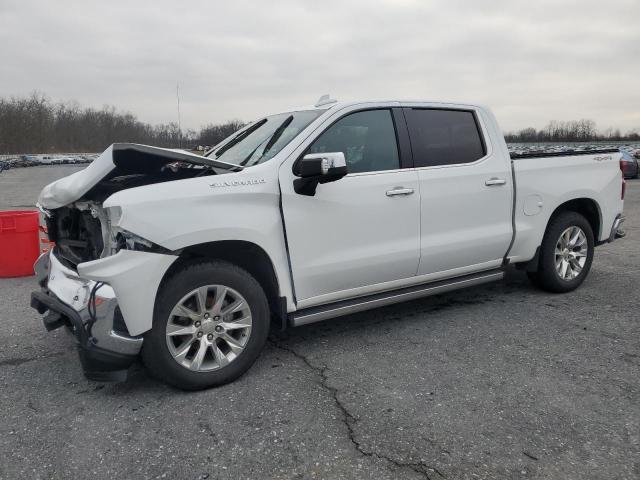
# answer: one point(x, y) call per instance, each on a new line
point(376, 300)
point(568, 153)
point(514, 192)
point(402, 138)
point(53, 321)
point(286, 247)
point(532, 265)
point(119, 325)
point(282, 313)
point(43, 302)
point(102, 365)
point(98, 364)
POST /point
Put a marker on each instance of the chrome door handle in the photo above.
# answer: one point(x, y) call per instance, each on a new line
point(495, 181)
point(399, 191)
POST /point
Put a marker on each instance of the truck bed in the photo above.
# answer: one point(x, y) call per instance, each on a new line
point(543, 181)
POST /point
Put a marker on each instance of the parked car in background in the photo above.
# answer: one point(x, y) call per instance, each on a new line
point(629, 165)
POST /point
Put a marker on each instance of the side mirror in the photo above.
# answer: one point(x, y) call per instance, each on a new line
point(318, 168)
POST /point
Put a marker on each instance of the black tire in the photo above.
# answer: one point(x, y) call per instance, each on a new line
point(155, 352)
point(547, 277)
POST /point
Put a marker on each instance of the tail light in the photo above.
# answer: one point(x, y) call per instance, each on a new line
point(624, 184)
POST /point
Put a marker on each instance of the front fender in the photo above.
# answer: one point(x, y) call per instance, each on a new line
point(242, 206)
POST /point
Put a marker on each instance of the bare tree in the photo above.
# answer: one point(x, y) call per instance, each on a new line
point(569, 131)
point(35, 124)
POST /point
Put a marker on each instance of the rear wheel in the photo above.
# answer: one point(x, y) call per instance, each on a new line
point(210, 323)
point(566, 253)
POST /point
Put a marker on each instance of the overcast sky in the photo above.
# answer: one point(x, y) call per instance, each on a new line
point(531, 61)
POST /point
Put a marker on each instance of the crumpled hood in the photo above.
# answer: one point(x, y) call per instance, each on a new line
point(131, 158)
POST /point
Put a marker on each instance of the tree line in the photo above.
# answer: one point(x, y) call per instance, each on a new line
point(35, 124)
point(571, 131)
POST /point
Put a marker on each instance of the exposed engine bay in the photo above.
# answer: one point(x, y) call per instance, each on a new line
point(138, 165)
point(77, 234)
point(82, 230)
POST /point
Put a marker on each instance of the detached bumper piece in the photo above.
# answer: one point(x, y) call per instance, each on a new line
point(98, 364)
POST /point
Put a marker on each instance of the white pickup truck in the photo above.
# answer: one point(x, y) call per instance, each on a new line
point(302, 216)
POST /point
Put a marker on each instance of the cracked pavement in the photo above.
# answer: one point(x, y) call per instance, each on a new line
point(498, 381)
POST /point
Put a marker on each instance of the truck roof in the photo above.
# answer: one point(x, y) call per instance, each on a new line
point(338, 105)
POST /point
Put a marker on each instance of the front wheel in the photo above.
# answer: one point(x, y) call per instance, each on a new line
point(210, 324)
point(566, 253)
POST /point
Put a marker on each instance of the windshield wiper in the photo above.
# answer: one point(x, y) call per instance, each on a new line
point(239, 137)
point(277, 133)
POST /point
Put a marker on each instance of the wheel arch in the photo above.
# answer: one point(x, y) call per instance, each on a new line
point(586, 207)
point(246, 255)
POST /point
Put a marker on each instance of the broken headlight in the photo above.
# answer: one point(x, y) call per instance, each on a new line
point(125, 240)
point(121, 239)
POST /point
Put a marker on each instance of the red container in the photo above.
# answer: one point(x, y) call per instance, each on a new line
point(19, 242)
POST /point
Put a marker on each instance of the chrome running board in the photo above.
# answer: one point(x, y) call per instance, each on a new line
point(346, 307)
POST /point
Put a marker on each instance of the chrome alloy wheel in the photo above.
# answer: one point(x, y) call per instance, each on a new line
point(571, 253)
point(208, 328)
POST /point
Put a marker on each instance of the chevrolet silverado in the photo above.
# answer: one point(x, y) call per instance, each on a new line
point(302, 216)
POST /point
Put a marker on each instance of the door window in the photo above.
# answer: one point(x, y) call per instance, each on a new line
point(367, 139)
point(444, 137)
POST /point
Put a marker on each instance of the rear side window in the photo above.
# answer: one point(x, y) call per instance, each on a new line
point(367, 139)
point(444, 137)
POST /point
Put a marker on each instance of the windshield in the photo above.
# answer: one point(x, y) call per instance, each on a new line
point(262, 140)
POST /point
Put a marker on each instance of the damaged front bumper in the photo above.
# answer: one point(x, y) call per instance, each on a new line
point(105, 346)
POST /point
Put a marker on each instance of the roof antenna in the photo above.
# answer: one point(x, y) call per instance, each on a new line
point(325, 100)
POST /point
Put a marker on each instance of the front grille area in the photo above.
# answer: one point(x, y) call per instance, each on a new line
point(77, 235)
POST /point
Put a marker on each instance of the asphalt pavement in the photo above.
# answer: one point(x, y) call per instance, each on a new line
point(498, 381)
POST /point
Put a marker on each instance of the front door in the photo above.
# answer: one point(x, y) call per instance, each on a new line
point(361, 230)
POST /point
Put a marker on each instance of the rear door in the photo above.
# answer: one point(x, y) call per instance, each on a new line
point(362, 230)
point(466, 191)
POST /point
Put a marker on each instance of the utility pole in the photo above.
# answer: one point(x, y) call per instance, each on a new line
point(179, 125)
